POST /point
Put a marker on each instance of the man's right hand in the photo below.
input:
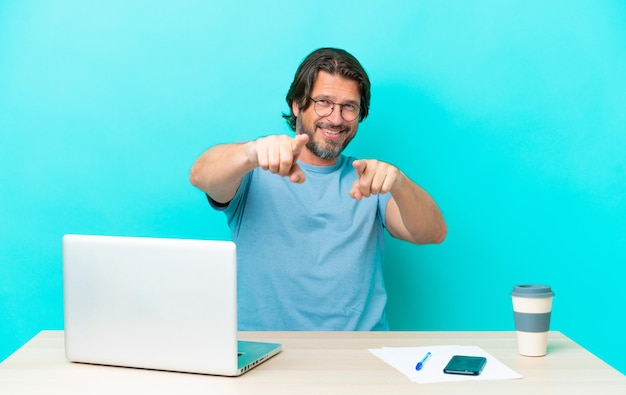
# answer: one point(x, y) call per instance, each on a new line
point(278, 154)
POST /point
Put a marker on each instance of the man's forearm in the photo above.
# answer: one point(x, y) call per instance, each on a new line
point(218, 171)
point(417, 216)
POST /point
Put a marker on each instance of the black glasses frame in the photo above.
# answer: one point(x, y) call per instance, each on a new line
point(332, 108)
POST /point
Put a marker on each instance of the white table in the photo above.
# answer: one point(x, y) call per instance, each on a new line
point(318, 363)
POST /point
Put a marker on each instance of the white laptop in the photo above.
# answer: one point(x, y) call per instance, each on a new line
point(166, 304)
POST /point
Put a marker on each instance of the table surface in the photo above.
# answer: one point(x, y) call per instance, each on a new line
point(319, 363)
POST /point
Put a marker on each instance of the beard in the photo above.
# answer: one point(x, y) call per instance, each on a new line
point(329, 149)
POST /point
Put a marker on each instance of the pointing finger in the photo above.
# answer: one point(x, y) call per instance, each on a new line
point(359, 166)
point(298, 143)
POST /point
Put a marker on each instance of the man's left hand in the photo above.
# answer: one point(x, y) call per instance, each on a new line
point(373, 177)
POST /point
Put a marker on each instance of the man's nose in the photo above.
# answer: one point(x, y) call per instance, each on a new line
point(335, 116)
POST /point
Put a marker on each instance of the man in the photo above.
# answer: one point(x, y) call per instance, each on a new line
point(308, 221)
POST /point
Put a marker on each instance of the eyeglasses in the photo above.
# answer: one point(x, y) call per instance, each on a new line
point(323, 108)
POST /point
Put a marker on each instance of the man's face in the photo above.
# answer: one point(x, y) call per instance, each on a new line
point(328, 135)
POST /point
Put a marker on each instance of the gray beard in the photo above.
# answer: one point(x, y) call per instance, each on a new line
point(331, 150)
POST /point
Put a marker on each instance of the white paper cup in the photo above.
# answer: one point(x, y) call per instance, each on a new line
point(532, 308)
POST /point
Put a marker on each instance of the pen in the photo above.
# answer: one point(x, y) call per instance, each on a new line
point(421, 363)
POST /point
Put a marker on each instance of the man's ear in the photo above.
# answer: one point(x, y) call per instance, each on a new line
point(294, 108)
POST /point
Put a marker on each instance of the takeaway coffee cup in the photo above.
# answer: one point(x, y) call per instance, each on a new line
point(532, 306)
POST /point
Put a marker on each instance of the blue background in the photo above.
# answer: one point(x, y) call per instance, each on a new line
point(511, 113)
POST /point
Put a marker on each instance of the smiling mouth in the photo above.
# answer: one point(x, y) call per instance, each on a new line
point(331, 133)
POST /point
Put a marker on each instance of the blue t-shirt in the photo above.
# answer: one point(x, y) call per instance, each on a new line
point(309, 256)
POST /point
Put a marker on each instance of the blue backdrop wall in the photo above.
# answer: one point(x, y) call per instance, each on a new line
point(511, 113)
